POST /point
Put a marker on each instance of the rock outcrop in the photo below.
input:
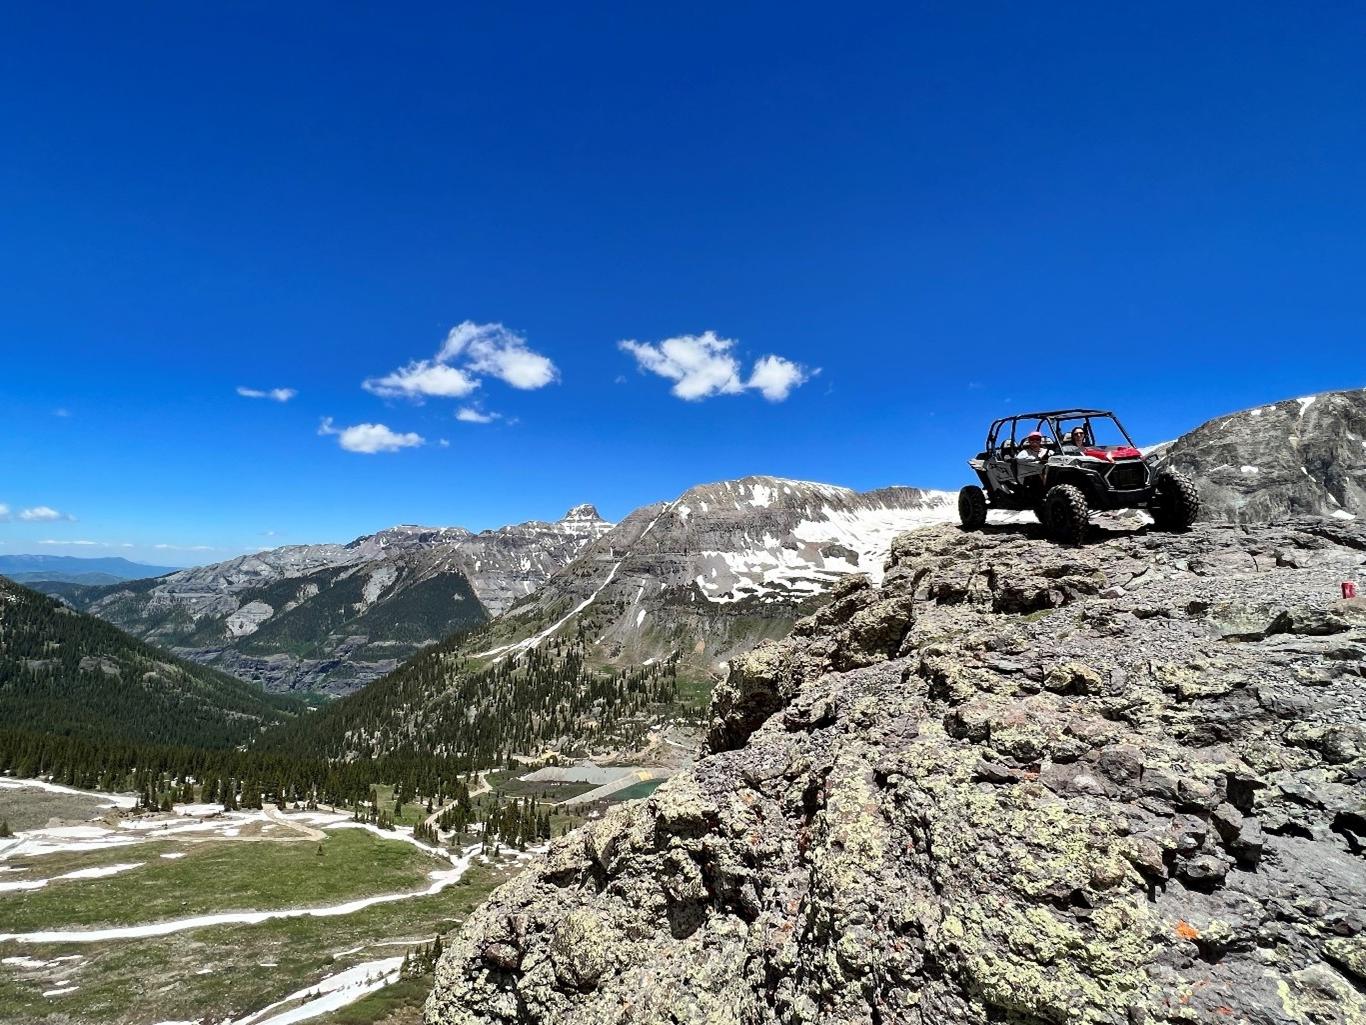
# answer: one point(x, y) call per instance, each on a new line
point(1122, 783)
point(1299, 457)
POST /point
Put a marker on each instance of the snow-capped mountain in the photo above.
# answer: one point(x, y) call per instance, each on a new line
point(1297, 457)
point(335, 616)
point(716, 570)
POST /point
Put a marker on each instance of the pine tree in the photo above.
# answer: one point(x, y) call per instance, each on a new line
point(5, 831)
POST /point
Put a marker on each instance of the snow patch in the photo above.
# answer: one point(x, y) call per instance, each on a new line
point(1306, 402)
point(101, 872)
point(119, 800)
point(1343, 514)
point(22, 884)
point(1251, 469)
point(817, 552)
point(83, 873)
point(439, 881)
point(332, 993)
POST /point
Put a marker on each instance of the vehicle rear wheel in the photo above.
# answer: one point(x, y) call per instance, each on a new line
point(972, 507)
point(1066, 514)
point(1176, 502)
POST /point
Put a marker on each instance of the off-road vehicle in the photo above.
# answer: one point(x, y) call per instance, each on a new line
point(1082, 462)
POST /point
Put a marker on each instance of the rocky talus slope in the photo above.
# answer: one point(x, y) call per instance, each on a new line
point(1293, 458)
point(1122, 783)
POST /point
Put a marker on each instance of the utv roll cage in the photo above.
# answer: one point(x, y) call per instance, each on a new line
point(1053, 419)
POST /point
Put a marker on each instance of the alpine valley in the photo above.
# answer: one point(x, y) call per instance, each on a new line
point(769, 751)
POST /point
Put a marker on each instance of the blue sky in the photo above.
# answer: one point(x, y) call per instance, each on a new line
point(928, 214)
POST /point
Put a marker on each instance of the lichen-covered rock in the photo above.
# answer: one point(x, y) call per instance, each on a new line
point(1122, 783)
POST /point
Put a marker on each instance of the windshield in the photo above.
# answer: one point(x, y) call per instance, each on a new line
point(1095, 432)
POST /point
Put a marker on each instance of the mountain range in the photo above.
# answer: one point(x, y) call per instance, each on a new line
point(71, 569)
point(332, 617)
point(714, 571)
point(676, 588)
point(698, 579)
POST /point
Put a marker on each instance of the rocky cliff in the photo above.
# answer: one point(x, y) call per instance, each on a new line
point(1293, 458)
point(716, 570)
point(334, 617)
point(1123, 783)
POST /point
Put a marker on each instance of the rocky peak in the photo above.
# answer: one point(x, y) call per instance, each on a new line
point(1102, 785)
point(1304, 456)
point(408, 535)
point(582, 514)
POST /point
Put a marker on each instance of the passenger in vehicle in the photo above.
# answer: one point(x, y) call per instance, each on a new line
point(1076, 437)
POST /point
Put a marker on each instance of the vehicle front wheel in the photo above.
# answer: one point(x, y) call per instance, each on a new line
point(972, 507)
point(1176, 502)
point(1066, 514)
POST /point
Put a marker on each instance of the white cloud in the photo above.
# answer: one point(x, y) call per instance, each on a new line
point(62, 412)
point(95, 544)
point(422, 378)
point(4, 513)
point(370, 438)
point(775, 377)
point(471, 415)
point(705, 365)
point(274, 394)
point(699, 365)
point(44, 514)
point(480, 350)
point(186, 548)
